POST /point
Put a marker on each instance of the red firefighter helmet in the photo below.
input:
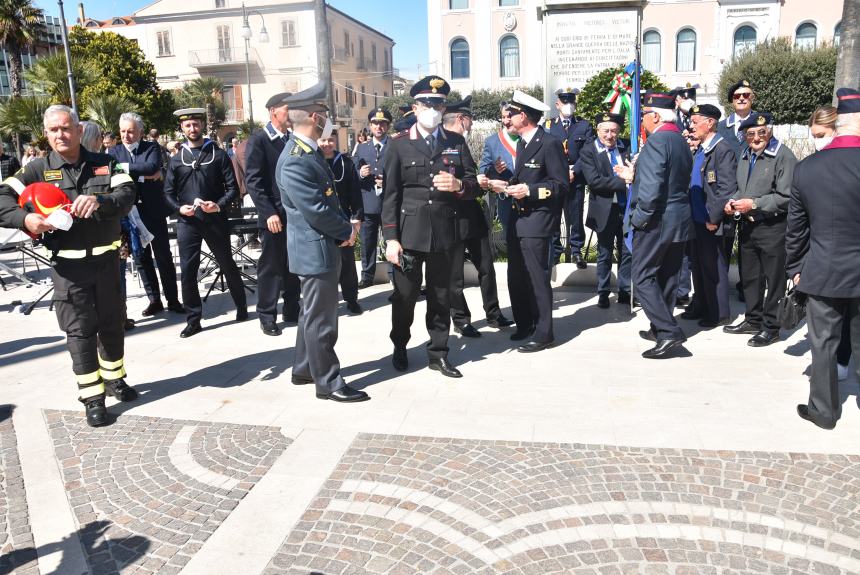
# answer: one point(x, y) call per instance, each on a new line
point(42, 198)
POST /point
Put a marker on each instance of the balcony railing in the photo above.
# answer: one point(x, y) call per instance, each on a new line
point(222, 57)
point(367, 64)
point(234, 116)
point(343, 111)
point(340, 54)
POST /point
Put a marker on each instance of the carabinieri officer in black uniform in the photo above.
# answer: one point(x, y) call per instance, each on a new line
point(273, 273)
point(85, 258)
point(200, 185)
point(427, 170)
point(538, 187)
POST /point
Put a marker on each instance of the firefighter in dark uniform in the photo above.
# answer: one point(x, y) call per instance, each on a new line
point(765, 171)
point(200, 186)
point(87, 293)
point(427, 171)
point(574, 132)
point(274, 279)
point(540, 181)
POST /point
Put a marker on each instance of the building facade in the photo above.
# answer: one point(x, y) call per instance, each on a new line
point(188, 39)
point(503, 43)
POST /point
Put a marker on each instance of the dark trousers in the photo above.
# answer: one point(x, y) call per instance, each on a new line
point(608, 239)
point(407, 287)
point(824, 319)
point(503, 211)
point(90, 309)
point(843, 352)
point(479, 252)
point(710, 265)
point(763, 270)
point(574, 201)
point(529, 285)
point(685, 282)
point(369, 234)
point(348, 275)
point(160, 247)
point(190, 234)
point(274, 279)
point(317, 332)
point(656, 265)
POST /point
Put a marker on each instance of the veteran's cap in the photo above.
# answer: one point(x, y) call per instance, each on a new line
point(756, 119)
point(737, 86)
point(278, 100)
point(609, 117)
point(848, 101)
point(707, 110)
point(652, 99)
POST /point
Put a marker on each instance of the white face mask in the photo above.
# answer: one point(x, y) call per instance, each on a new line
point(429, 118)
point(327, 128)
point(567, 110)
point(821, 143)
point(687, 105)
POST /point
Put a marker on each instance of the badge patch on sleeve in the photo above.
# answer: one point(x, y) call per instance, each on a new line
point(51, 175)
point(329, 192)
point(544, 193)
point(712, 176)
point(101, 171)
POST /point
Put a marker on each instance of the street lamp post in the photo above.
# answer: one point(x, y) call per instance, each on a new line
point(68, 52)
point(246, 34)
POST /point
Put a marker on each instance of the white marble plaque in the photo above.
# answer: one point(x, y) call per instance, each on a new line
point(581, 43)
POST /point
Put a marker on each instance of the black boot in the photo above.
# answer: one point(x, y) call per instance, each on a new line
point(96, 411)
point(119, 389)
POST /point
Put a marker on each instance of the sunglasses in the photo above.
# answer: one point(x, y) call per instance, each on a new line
point(739, 95)
point(752, 134)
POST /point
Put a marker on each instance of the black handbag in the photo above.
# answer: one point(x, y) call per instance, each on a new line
point(792, 308)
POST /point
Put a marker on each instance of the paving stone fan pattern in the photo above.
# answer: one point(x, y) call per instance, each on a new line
point(408, 505)
point(17, 552)
point(147, 492)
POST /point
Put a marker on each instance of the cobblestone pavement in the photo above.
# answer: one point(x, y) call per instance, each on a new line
point(17, 552)
point(406, 505)
point(147, 492)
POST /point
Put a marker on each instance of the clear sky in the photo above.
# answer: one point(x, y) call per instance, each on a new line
point(404, 20)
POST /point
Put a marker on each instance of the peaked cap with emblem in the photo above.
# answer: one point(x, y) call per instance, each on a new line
point(525, 103)
point(848, 101)
point(707, 110)
point(190, 114)
point(609, 117)
point(430, 87)
point(737, 86)
point(278, 100)
point(463, 107)
point(311, 100)
point(567, 94)
point(688, 91)
point(658, 100)
point(379, 115)
point(755, 120)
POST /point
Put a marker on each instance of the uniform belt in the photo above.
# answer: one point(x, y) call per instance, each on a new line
point(81, 254)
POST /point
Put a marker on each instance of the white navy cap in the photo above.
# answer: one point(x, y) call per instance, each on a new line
point(521, 100)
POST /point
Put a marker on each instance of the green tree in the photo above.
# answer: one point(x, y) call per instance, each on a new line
point(485, 103)
point(20, 24)
point(205, 93)
point(48, 75)
point(789, 82)
point(123, 70)
point(589, 102)
point(23, 116)
point(106, 109)
point(393, 103)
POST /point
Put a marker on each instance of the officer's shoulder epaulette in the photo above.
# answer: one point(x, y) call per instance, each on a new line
point(399, 134)
point(548, 123)
point(300, 148)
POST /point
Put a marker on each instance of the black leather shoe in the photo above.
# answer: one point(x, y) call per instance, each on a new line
point(803, 412)
point(763, 338)
point(499, 322)
point(128, 325)
point(365, 284)
point(603, 301)
point(191, 329)
point(242, 314)
point(534, 346)
point(709, 323)
point(648, 335)
point(175, 307)
point(345, 394)
point(119, 389)
point(354, 307)
point(580, 261)
point(744, 327)
point(270, 328)
point(441, 365)
point(301, 380)
point(624, 297)
point(96, 411)
point(682, 301)
point(663, 347)
point(467, 330)
point(691, 314)
point(520, 335)
point(399, 359)
point(152, 309)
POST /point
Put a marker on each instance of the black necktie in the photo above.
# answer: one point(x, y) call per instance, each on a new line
point(566, 124)
point(431, 141)
point(379, 151)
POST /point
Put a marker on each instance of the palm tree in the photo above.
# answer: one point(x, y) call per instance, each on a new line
point(106, 109)
point(23, 115)
point(48, 75)
point(206, 91)
point(20, 25)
